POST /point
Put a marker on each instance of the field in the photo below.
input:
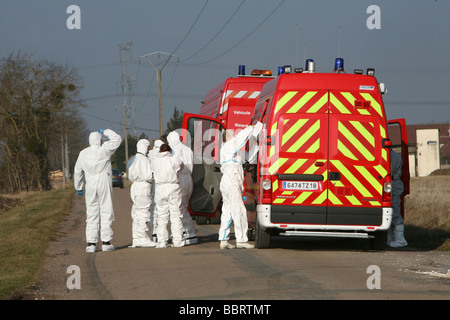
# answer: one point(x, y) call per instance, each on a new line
point(427, 213)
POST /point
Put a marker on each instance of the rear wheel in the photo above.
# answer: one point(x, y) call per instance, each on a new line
point(378, 243)
point(262, 237)
point(250, 233)
point(201, 220)
point(216, 220)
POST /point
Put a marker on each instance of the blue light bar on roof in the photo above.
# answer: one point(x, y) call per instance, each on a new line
point(241, 70)
point(339, 65)
point(280, 70)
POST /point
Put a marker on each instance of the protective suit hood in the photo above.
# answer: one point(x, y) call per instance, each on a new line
point(95, 139)
point(158, 143)
point(142, 146)
point(173, 138)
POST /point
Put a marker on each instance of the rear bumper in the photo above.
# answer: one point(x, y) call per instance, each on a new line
point(264, 216)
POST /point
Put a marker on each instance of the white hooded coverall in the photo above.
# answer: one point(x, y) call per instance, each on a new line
point(151, 155)
point(167, 198)
point(186, 155)
point(140, 173)
point(93, 167)
point(232, 185)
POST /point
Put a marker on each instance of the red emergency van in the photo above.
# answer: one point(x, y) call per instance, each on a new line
point(231, 103)
point(323, 166)
point(233, 100)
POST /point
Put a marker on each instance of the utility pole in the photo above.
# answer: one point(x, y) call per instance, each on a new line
point(158, 72)
point(127, 89)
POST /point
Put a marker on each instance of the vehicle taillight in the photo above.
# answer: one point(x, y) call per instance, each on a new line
point(387, 191)
point(266, 190)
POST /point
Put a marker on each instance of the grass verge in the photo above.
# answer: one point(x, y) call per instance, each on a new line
point(25, 232)
point(427, 213)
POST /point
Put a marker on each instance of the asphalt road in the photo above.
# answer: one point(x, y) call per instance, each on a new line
point(294, 269)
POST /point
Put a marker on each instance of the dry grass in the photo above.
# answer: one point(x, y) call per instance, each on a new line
point(427, 213)
point(25, 232)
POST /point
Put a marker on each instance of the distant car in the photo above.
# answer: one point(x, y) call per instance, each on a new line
point(117, 178)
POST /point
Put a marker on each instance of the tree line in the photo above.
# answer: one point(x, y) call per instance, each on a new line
point(39, 100)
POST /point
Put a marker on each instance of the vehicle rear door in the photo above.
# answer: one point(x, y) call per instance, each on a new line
point(299, 163)
point(204, 135)
point(357, 161)
point(399, 139)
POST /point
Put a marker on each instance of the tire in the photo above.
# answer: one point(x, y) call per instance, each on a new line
point(216, 220)
point(250, 233)
point(201, 220)
point(378, 243)
point(262, 237)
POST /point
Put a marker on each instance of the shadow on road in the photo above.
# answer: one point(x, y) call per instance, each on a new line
point(330, 244)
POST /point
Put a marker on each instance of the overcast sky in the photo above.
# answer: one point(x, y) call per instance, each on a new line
point(210, 39)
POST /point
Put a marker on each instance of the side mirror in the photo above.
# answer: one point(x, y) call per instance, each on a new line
point(383, 88)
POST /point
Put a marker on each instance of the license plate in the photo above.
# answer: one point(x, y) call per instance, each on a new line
point(300, 185)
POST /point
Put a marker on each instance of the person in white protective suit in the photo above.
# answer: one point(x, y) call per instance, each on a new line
point(167, 197)
point(186, 184)
point(93, 168)
point(156, 145)
point(140, 173)
point(232, 188)
point(151, 155)
point(396, 237)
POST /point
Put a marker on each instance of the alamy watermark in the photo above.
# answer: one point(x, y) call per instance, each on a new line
point(374, 280)
point(74, 20)
point(374, 20)
point(74, 280)
point(206, 143)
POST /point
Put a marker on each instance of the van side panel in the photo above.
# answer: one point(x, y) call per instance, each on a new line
point(212, 101)
point(238, 101)
point(233, 101)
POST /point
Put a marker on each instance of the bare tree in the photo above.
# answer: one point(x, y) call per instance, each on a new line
point(36, 97)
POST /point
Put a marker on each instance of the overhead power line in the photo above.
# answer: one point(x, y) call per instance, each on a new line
point(245, 38)
point(169, 56)
point(113, 122)
point(170, 95)
point(190, 29)
point(217, 33)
